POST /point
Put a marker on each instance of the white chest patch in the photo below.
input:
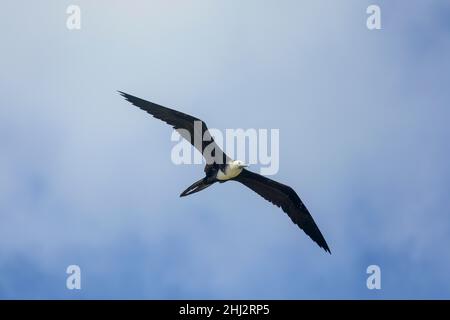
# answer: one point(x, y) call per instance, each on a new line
point(231, 171)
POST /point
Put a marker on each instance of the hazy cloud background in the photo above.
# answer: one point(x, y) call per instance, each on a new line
point(85, 178)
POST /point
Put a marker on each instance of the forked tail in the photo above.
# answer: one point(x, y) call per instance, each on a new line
point(197, 186)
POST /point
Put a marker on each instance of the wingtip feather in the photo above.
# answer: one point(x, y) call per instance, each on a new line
point(123, 94)
point(326, 248)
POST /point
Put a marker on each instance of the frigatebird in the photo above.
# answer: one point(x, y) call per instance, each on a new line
point(221, 168)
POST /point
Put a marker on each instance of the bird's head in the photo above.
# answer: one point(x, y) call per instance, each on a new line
point(240, 164)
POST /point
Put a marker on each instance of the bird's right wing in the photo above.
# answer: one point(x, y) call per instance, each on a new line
point(285, 197)
point(192, 129)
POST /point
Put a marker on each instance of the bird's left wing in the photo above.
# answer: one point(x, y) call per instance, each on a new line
point(192, 129)
point(285, 197)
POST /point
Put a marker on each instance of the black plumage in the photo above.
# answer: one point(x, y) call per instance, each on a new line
point(179, 120)
point(285, 197)
point(277, 193)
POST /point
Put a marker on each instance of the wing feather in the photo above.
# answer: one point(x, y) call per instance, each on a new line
point(190, 128)
point(285, 197)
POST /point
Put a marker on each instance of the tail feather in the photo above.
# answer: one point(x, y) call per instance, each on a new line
point(196, 187)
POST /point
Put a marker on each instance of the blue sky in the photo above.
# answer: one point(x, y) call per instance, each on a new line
point(86, 179)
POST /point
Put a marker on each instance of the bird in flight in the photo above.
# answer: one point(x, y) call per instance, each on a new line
point(221, 168)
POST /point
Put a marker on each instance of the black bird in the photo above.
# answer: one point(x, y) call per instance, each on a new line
point(220, 168)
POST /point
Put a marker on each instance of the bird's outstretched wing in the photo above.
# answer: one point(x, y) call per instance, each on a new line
point(285, 197)
point(192, 129)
